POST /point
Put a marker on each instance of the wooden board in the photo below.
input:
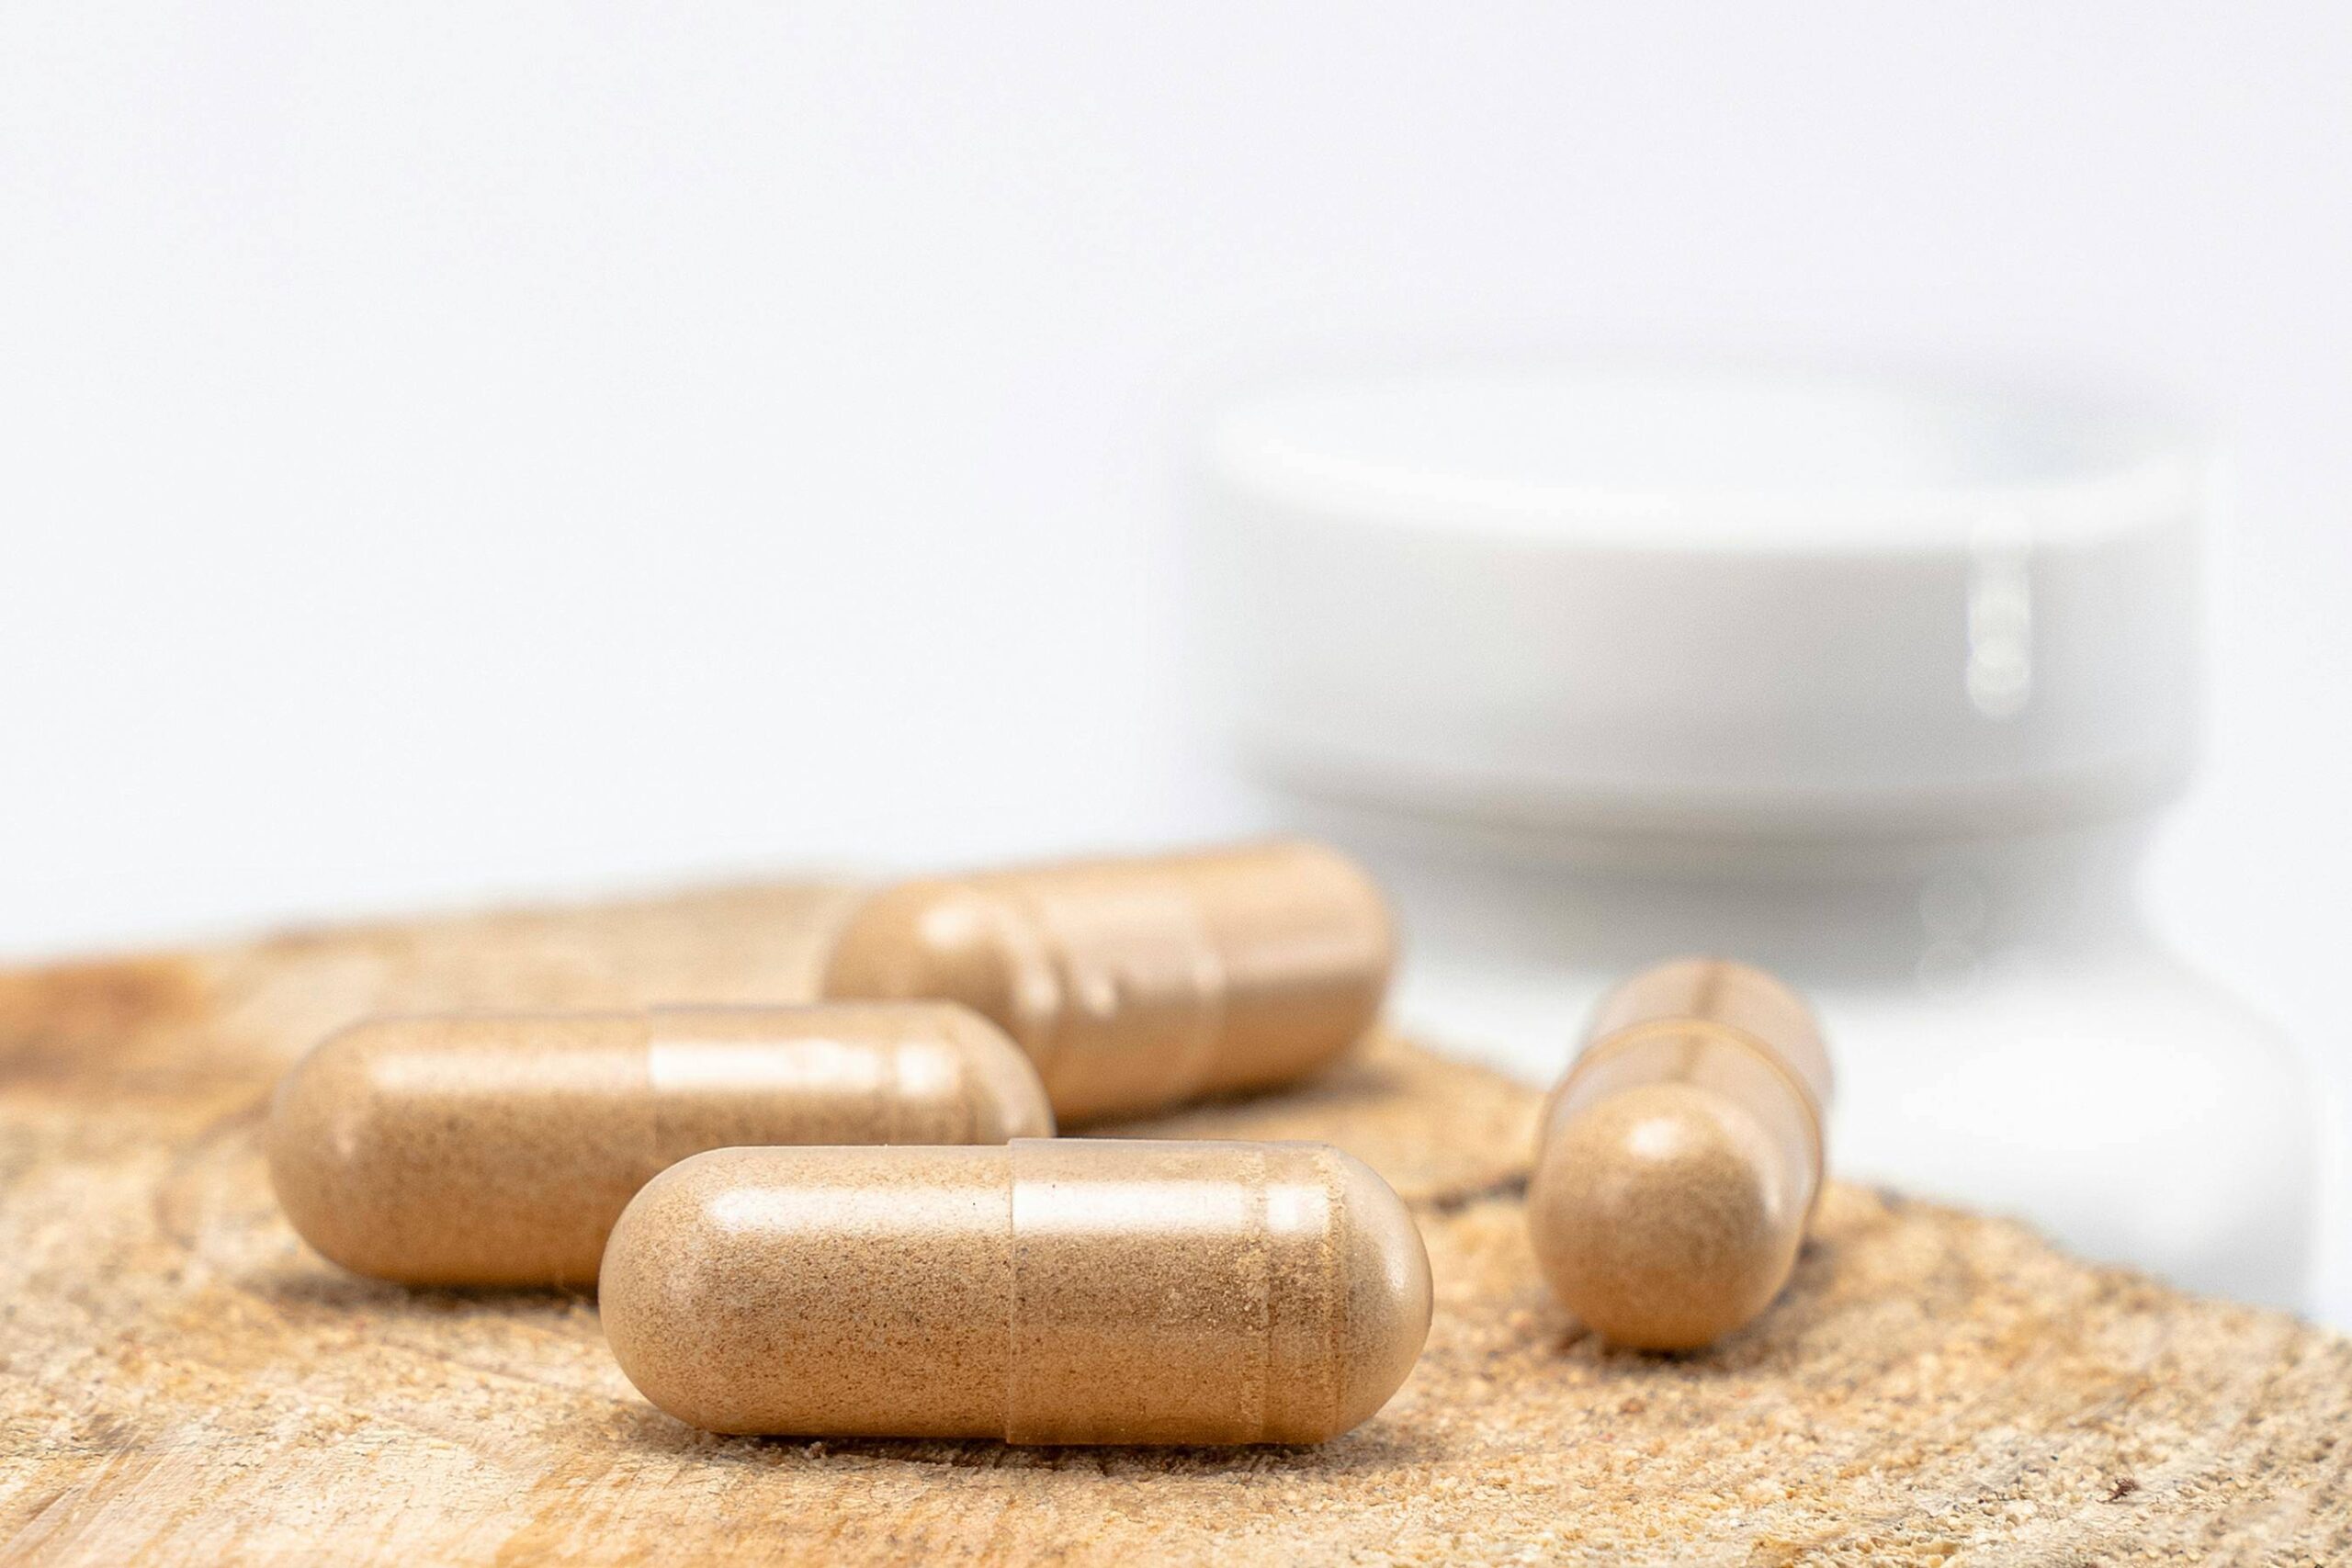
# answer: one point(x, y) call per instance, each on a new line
point(184, 1383)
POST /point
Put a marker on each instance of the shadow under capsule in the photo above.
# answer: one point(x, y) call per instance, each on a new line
point(323, 1286)
point(1375, 1447)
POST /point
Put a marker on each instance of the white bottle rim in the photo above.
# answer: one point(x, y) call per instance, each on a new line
point(1720, 602)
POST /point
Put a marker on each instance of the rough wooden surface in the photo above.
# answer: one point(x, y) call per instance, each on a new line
point(184, 1383)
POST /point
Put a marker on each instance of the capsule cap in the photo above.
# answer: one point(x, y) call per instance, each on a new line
point(1301, 1282)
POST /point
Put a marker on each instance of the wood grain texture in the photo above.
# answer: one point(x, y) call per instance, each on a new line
point(184, 1383)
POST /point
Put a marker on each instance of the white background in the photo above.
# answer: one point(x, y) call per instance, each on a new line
point(457, 453)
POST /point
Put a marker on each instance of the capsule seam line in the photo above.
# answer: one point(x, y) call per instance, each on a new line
point(1012, 1311)
point(1336, 1241)
point(1641, 1034)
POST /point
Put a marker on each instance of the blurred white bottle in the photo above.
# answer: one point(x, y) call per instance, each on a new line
point(1877, 684)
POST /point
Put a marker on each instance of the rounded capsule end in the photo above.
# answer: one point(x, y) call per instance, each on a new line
point(336, 1176)
point(1662, 1217)
point(1007, 1098)
point(947, 940)
point(650, 1295)
point(1386, 1268)
point(819, 1292)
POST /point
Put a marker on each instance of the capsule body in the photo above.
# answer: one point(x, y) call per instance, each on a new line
point(1677, 1161)
point(1138, 983)
point(483, 1149)
point(1069, 1291)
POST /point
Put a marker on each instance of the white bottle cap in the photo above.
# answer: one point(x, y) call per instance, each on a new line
point(1710, 603)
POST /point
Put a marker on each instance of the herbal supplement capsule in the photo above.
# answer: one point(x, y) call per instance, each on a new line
point(498, 1150)
point(1677, 1161)
point(1134, 984)
point(1064, 1290)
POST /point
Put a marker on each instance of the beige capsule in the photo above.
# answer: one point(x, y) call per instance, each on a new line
point(1067, 1290)
point(485, 1149)
point(1679, 1160)
point(1138, 983)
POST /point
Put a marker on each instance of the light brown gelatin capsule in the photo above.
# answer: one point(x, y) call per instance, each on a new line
point(484, 1149)
point(1679, 1160)
point(1067, 1290)
point(1136, 984)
